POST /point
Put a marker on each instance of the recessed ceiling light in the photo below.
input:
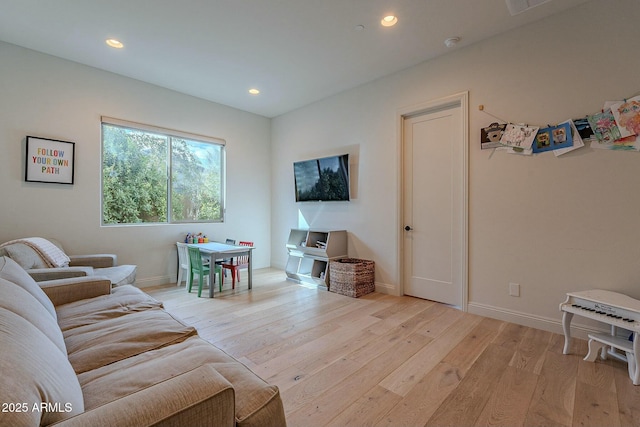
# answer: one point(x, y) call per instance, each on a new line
point(389, 21)
point(117, 44)
point(254, 91)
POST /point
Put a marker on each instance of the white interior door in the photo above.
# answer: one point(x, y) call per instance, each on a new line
point(434, 194)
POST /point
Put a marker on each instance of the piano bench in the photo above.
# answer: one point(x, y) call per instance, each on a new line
point(600, 341)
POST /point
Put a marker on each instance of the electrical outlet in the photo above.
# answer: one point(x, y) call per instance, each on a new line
point(514, 289)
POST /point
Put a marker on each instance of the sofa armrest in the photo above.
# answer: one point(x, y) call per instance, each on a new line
point(42, 274)
point(199, 397)
point(94, 260)
point(64, 291)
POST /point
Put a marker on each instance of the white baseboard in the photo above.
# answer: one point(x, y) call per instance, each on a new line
point(279, 265)
point(578, 330)
point(385, 288)
point(154, 281)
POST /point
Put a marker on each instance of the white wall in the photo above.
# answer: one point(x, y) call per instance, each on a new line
point(52, 98)
point(551, 224)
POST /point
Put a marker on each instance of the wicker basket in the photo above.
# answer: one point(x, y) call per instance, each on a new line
point(352, 277)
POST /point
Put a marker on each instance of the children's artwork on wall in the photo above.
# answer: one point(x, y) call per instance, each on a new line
point(607, 133)
point(583, 128)
point(491, 135)
point(553, 138)
point(604, 128)
point(627, 116)
point(630, 143)
point(576, 137)
point(519, 137)
point(615, 127)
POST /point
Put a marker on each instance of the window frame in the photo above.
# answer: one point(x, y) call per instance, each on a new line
point(169, 133)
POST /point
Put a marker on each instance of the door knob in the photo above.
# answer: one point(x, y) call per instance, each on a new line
point(408, 228)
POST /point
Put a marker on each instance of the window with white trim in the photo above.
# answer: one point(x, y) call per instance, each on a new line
point(156, 175)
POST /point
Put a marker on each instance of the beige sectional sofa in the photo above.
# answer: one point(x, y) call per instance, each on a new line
point(77, 352)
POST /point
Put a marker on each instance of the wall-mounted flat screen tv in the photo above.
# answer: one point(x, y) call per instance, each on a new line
point(322, 180)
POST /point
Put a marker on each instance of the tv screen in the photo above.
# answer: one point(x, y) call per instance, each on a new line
point(325, 179)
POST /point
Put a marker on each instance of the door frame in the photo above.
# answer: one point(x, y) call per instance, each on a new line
point(461, 99)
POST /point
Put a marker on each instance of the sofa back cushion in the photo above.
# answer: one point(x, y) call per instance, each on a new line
point(14, 298)
point(11, 271)
point(25, 256)
point(35, 374)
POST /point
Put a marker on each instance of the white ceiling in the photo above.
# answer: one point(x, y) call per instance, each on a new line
point(295, 51)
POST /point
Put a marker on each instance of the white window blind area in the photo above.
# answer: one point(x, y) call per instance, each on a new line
point(161, 130)
point(519, 6)
point(157, 175)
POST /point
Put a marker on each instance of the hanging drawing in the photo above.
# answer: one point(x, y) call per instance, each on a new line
point(553, 138)
point(583, 128)
point(604, 127)
point(607, 133)
point(576, 137)
point(627, 116)
point(491, 135)
point(519, 137)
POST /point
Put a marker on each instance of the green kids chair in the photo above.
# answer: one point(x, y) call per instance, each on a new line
point(202, 270)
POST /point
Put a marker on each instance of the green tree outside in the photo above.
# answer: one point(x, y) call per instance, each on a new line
point(135, 178)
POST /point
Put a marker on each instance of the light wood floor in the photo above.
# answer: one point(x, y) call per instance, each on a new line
point(381, 360)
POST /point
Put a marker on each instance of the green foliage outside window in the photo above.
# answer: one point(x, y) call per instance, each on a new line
point(195, 181)
point(138, 188)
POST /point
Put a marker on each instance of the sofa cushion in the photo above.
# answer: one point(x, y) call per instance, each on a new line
point(257, 403)
point(120, 275)
point(40, 374)
point(11, 271)
point(14, 298)
point(123, 300)
point(25, 256)
point(200, 397)
point(101, 343)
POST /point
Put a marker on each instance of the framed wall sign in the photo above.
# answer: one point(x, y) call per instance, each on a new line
point(49, 160)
